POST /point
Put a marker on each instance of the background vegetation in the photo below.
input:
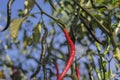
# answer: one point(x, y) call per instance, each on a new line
point(34, 41)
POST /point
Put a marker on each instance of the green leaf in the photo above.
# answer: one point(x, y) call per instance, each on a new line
point(15, 26)
point(117, 54)
point(28, 5)
point(107, 49)
point(98, 46)
point(36, 32)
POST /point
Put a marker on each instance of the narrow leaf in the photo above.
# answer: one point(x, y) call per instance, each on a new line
point(15, 26)
point(117, 54)
point(36, 32)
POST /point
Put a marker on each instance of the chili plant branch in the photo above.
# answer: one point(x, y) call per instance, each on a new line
point(59, 22)
point(101, 26)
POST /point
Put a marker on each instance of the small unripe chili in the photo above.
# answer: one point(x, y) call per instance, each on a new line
point(71, 56)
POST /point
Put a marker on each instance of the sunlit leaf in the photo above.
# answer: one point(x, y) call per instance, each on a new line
point(98, 46)
point(15, 26)
point(36, 32)
point(88, 4)
point(117, 54)
point(107, 49)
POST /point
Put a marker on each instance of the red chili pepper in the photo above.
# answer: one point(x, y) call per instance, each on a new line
point(57, 70)
point(77, 72)
point(71, 56)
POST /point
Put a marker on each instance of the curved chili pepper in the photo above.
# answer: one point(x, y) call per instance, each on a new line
point(10, 2)
point(77, 72)
point(71, 56)
point(43, 53)
point(57, 70)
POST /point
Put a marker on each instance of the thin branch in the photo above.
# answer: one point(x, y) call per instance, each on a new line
point(59, 22)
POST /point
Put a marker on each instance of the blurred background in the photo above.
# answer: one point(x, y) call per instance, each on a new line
point(35, 42)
